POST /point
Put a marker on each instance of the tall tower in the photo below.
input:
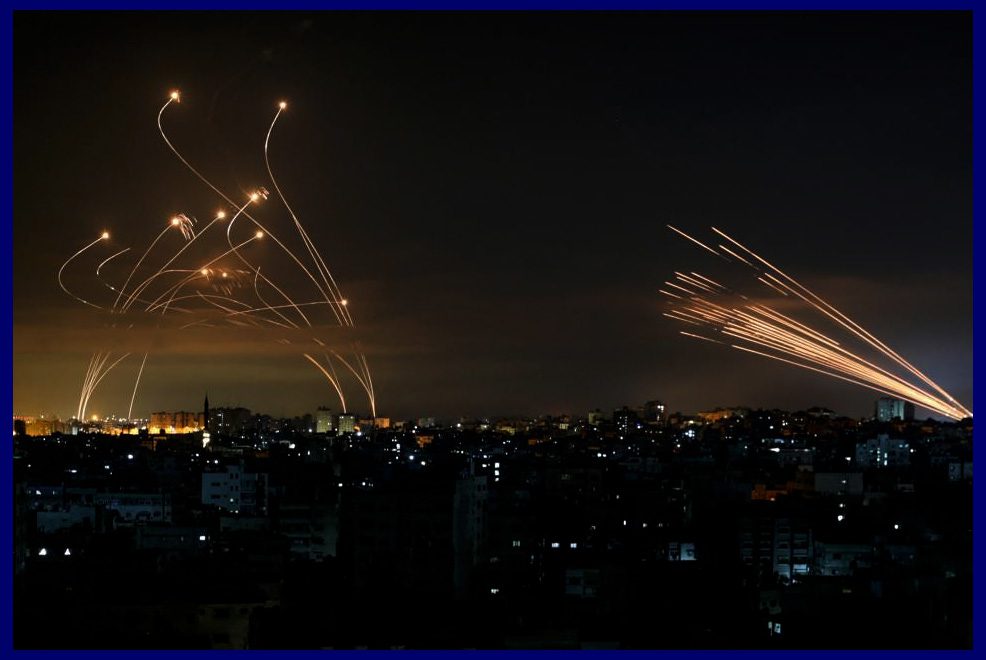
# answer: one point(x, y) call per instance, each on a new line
point(205, 423)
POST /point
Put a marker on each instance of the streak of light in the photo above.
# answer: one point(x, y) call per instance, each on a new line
point(104, 236)
point(332, 381)
point(133, 396)
point(696, 242)
point(768, 284)
point(689, 334)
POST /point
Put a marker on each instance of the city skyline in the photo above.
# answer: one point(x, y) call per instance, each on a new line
point(513, 279)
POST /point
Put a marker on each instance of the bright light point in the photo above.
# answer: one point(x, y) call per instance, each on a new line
point(224, 274)
point(254, 197)
point(896, 526)
point(282, 105)
point(345, 302)
point(175, 222)
point(105, 235)
point(221, 215)
point(204, 271)
point(68, 553)
point(259, 234)
point(42, 552)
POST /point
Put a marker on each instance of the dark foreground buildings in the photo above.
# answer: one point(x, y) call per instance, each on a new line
point(735, 529)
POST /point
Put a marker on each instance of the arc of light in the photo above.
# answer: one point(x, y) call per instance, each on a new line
point(691, 293)
point(316, 258)
point(689, 334)
point(103, 263)
point(854, 363)
point(256, 271)
point(867, 382)
point(256, 289)
point(691, 281)
point(85, 382)
point(768, 284)
point(733, 254)
point(108, 259)
point(223, 195)
point(99, 380)
point(833, 375)
point(102, 237)
point(678, 318)
point(184, 247)
point(710, 281)
point(369, 379)
point(776, 338)
point(133, 396)
point(847, 323)
point(88, 384)
point(255, 310)
point(787, 320)
point(231, 312)
point(156, 303)
point(332, 381)
point(137, 265)
point(786, 342)
point(362, 379)
point(696, 242)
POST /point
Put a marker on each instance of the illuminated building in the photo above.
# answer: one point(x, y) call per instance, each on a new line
point(35, 426)
point(228, 421)
point(206, 437)
point(347, 423)
point(654, 411)
point(882, 451)
point(236, 490)
point(177, 422)
point(323, 420)
point(625, 420)
point(887, 410)
point(719, 414)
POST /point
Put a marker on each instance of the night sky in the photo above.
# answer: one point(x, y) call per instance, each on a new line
point(491, 191)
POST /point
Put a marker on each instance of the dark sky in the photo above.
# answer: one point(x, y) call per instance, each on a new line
point(491, 193)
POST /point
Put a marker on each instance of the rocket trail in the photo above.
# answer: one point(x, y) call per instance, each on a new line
point(696, 242)
point(764, 331)
point(332, 287)
point(334, 382)
point(133, 396)
point(153, 285)
point(104, 236)
point(845, 321)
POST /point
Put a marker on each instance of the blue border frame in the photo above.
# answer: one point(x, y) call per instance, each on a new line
point(6, 193)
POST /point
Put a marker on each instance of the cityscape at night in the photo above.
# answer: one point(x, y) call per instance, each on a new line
point(492, 330)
